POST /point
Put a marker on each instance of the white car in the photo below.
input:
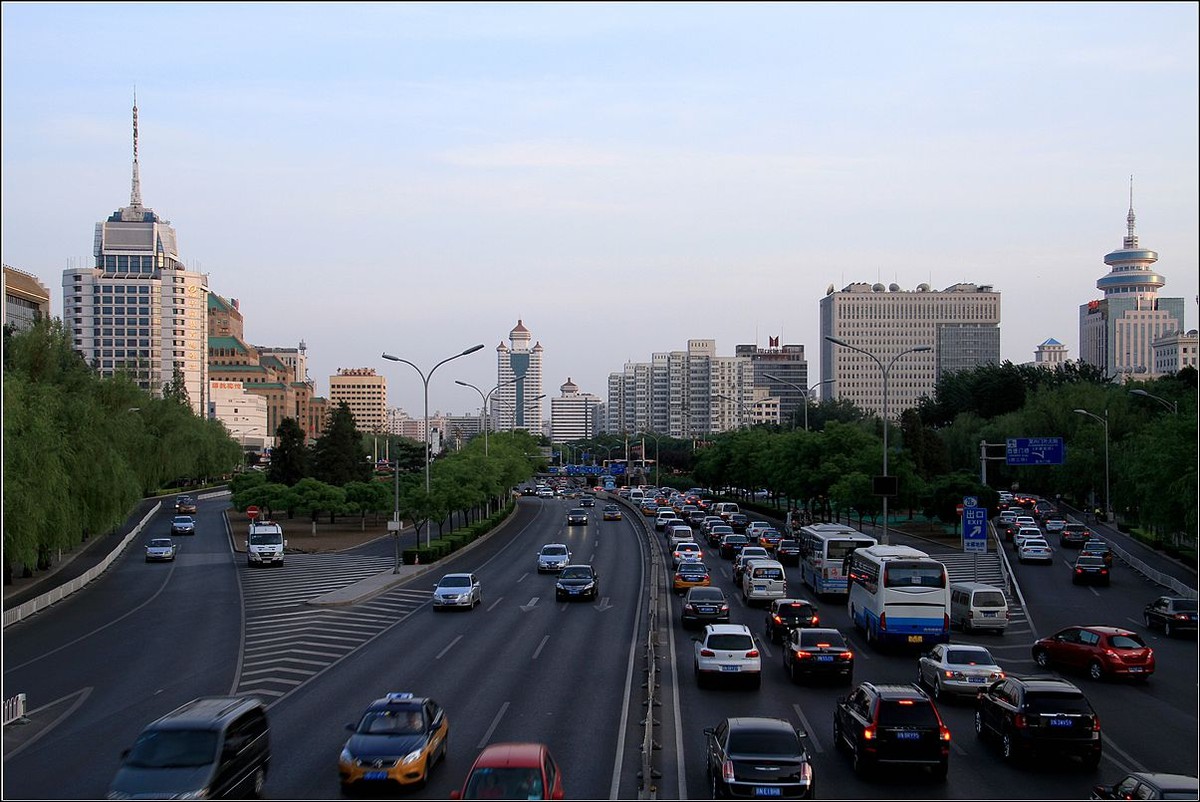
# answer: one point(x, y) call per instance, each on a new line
point(160, 549)
point(1026, 533)
point(679, 533)
point(954, 668)
point(747, 553)
point(1055, 525)
point(662, 517)
point(553, 557)
point(754, 527)
point(1007, 517)
point(727, 650)
point(1035, 550)
point(1026, 520)
point(457, 590)
point(687, 551)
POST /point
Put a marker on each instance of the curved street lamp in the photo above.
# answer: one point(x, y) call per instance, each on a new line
point(483, 417)
point(1107, 486)
point(425, 377)
point(1171, 405)
point(885, 370)
point(807, 393)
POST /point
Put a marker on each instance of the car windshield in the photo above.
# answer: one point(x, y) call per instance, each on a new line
point(822, 640)
point(266, 539)
point(160, 544)
point(970, 657)
point(577, 572)
point(1056, 702)
point(504, 783)
point(579, 511)
point(989, 599)
point(455, 582)
point(169, 749)
point(554, 551)
point(731, 642)
point(392, 722)
point(907, 712)
point(183, 519)
point(1090, 562)
point(693, 569)
point(752, 742)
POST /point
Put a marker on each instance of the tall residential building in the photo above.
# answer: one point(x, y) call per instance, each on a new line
point(1117, 332)
point(365, 392)
point(139, 310)
point(573, 415)
point(286, 393)
point(26, 300)
point(516, 404)
point(961, 326)
point(790, 371)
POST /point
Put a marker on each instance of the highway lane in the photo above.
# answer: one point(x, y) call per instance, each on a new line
point(1147, 727)
point(521, 666)
point(140, 640)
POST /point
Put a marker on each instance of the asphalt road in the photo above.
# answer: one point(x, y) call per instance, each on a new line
point(145, 638)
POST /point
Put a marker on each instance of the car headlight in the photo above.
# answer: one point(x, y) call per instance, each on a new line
point(411, 757)
point(346, 756)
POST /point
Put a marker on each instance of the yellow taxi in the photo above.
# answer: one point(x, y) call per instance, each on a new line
point(690, 574)
point(396, 742)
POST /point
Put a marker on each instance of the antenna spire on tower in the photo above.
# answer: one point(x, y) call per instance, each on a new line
point(135, 194)
point(1130, 237)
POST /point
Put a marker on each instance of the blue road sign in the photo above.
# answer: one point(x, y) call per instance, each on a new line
point(974, 528)
point(1034, 451)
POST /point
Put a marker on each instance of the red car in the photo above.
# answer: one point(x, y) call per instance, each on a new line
point(513, 771)
point(1100, 651)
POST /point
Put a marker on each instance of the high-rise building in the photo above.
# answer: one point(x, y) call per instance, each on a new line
point(139, 310)
point(961, 326)
point(1175, 351)
point(1117, 332)
point(573, 415)
point(26, 300)
point(516, 404)
point(365, 392)
point(790, 371)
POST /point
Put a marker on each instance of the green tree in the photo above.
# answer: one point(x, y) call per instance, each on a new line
point(338, 456)
point(313, 497)
point(289, 457)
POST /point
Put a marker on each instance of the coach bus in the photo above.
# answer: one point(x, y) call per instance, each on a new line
point(899, 595)
point(823, 552)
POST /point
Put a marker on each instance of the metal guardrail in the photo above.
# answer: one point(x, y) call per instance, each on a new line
point(14, 709)
point(23, 611)
point(1153, 574)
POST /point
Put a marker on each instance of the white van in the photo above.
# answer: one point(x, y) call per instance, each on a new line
point(636, 496)
point(725, 509)
point(974, 605)
point(763, 580)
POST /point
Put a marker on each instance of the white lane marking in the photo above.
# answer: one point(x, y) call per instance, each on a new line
point(493, 605)
point(449, 646)
point(487, 736)
point(541, 646)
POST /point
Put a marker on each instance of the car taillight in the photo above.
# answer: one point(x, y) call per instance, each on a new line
point(801, 655)
point(777, 619)
point(707, 653)
point(724, 608)
point(690, 606)
point(883, 620)
point(1019, 721)
point(846, 656)
point(1079, 570)
point(752, 653)
point(1181, 617)
point(727, 771)
point(943, 734)
point(816, 621)
point(1095, 723)
point(869, 732)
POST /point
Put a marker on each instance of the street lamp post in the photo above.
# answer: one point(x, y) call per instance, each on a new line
point(483, 410)
point(885, 370)
point(657, 478)
point(1171, 405)
point(800, 389)
point(1107, 486)
point(425, 380)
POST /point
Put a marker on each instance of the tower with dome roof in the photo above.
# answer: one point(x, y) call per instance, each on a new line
point(519, 376)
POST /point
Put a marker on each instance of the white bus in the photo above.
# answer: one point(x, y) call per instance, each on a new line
point(899, 595)
point(823, 551)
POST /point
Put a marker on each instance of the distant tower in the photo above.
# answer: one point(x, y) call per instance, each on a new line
point(1050, 354)
point(1116, 332)
point(519, 376)
point(139, 310)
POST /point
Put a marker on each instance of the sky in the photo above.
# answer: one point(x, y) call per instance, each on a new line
point(416, 178)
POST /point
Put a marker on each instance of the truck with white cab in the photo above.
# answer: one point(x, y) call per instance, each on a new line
point(265, 543)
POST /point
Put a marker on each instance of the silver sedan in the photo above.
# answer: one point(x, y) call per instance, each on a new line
point(951, 668)
point(457, 590)
point(160, 549)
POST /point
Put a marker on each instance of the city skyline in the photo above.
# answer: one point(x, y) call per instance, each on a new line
point(621, 178)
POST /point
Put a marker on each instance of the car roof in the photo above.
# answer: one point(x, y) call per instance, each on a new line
point(397, 701)
point(510, 755)
point(447, 576)
point(1173, 782)
point(1045, 682)
point(727, 629)
point(897, 691)
point(709, 591)
point(760, 723)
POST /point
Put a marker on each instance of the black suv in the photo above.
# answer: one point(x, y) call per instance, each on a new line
point(758, 757)
point(891, 724)
point(788, 552)
point(1039, 715)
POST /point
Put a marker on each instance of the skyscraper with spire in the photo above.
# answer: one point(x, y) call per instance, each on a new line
point(138, 310)
point(516, 403)
point(1116, 332)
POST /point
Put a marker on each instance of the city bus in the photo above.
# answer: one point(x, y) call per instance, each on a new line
point(823, 551)
point(899, 595)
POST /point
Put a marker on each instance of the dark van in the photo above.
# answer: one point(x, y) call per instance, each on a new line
point(212, 747)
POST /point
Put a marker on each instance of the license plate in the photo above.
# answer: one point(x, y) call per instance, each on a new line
point(1136, 669)
point(976, 679)
point(767, 790)
point(825, 658)
point(708, 610)
point(729, 668)
point(908, 736)
point(758, 588)
point(375, 775)
point(989, 615)
point(916, 638)
point(1060, 722)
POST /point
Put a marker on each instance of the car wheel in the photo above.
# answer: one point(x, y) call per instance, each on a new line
point(1092, 760)
point(1167, 628)
point(979, 729)
point(1148, 621)
point(1095, 670)
point(935, 690)
point(1041, 658)
point(258, 782)
point(870, 635)
point(941, 770)
point(1008, 749)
